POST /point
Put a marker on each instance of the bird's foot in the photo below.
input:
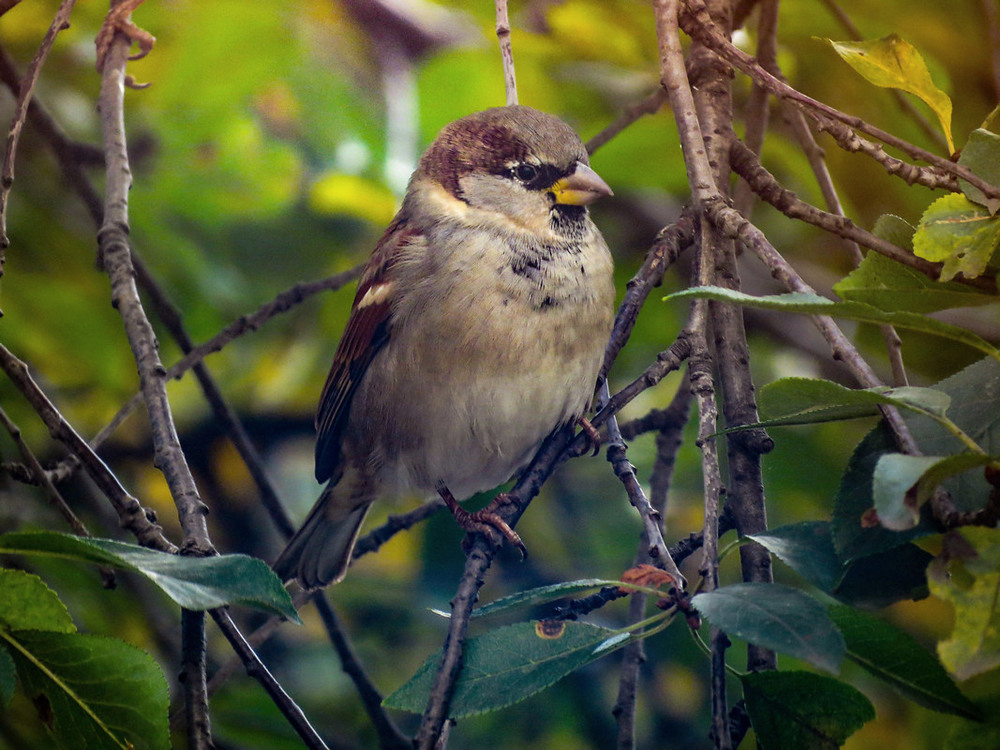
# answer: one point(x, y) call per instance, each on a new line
point(118, 20)
point(486, 521)
point(593, 436)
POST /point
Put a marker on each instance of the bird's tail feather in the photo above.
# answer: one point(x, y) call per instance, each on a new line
point(320, 551)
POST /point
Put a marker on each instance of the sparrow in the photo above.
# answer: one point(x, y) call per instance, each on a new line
point(478, 328)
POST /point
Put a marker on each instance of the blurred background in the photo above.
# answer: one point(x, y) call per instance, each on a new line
point(273, 147)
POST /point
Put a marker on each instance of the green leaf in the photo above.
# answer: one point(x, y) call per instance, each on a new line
point(92, 691)
point(802, 710)
point(981, 154)
point(509, 664)
point(975, 408)
point(893, 655)
point(813, 304)
point(903, 483)
point(977, 735)
point(957, 232)
point(791, 401)
point(892, 62)
point(26, 603)
point(775, 617)
point(8, 677)
point(896, 230)
point(807, 548)
point(967, 574)
point(889, 285)
point(876, 580)
point(194, 583)
point(884, 578)
point(542, 594)
point(854, 536)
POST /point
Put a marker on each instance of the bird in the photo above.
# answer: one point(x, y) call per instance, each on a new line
point(478, 328)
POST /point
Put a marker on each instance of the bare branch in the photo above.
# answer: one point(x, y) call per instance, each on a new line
point(113, 241)
point(843, 127)
point(24, 92)
point(656, 550)
point(390, 737)
point(666, 248)
point(992, 18)
point(132, 515)
point(55, 497)
point(757, 110)
point(746, 165)
point(818, 163)
point(378, 536)
point(670, 425)
point(506, 53)
point(648, 106)
point(256, 669)
point(933, 133)
point(443, 686)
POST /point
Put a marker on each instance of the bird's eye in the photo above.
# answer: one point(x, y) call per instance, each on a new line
point(525, 172)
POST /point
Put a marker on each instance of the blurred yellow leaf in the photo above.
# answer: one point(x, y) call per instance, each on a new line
point(352, 195)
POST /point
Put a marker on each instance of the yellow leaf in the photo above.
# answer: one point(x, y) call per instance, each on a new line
point(336, 193)
point(892, 62)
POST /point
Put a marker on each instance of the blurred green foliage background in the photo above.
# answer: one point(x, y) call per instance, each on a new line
point(273, 147)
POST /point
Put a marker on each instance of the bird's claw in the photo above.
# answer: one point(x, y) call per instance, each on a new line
point(118, 20)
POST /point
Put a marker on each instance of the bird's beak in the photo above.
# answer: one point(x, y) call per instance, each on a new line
point(581, 188)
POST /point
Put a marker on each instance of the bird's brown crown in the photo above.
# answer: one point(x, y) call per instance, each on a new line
point(494, 139)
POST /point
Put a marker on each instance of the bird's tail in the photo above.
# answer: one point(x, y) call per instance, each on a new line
point(320, 551)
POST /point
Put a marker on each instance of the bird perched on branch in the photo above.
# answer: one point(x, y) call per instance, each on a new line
point(478, 327)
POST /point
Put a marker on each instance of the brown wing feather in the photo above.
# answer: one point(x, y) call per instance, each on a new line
point(367, 331)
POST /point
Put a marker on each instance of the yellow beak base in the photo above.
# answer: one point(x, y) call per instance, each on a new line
point(581, 188)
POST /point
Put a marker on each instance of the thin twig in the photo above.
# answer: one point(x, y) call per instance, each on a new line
point(70, 155)
point(25, 90)
point(284, 302)
point(992, 18)
point(225, 415)
point(703, 187)
point(711, 92)
point(443, 686)
point(757, 110)
point(506, 53)
point(656, 550)
point(671, 423)
point(113, 242)
point(131, 514)
point(256, 669)
point(817, 160)
point(378, 536)
point(389, 735)
point(31, 461)
point(666, 248)
point(648, 106)
point(763, 183)
point(942, 172)
point(193, 656)
point(904, 104)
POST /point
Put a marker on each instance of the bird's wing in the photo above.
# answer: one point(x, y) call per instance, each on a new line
point(368, 329)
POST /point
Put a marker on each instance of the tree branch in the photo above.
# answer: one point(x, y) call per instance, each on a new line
point(131, 514)
point(506, 53)
point(24, 91)
point(843, 127)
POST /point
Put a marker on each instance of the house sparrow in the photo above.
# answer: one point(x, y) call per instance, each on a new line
point(478, 328)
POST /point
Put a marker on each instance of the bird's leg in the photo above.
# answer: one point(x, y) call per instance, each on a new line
point(485, 521)
point(593, 436)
